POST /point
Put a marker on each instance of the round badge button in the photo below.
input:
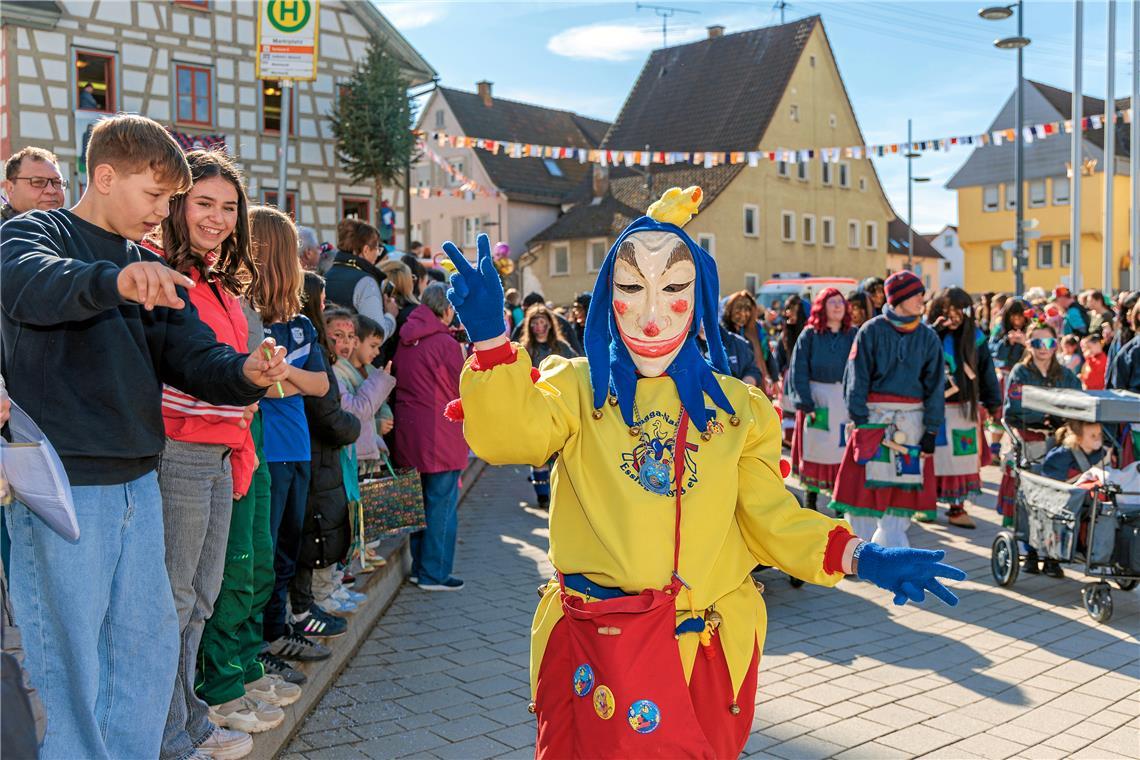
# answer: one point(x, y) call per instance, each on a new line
point(604, 703)
point(644, 716)
point(583, 680)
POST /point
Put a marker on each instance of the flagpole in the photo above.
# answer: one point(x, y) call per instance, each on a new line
point(1109, 144)
point(1134, 153)
point(1076, 158)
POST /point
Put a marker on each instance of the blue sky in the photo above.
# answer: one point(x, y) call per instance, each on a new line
point(932, 62)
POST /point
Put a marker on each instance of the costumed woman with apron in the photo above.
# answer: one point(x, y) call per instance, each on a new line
point(960, 450)
point(815, 383)
point(893, 387)
point(667, 491)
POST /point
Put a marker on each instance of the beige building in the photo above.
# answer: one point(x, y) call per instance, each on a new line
point(926, 262)
point(764, 89)
point(189, 64)
point(522, 196)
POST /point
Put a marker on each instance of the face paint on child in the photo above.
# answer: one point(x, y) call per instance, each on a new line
point(342, 336)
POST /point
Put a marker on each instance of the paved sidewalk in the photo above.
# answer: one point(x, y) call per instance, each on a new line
point(1019, 672)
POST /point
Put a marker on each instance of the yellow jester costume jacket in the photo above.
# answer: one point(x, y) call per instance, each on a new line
point(736, 510)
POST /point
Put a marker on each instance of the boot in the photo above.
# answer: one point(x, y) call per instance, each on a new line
point(1053, 569)
point(811, 500)
point(957, 517)
point(1031, 564)
point(543, 501)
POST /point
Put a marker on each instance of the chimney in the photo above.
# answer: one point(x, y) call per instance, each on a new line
point(716, 30)
point(601, 181)
point(485, 92)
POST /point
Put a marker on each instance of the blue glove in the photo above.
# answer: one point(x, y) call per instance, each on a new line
point(477, 292)
point(909, 573)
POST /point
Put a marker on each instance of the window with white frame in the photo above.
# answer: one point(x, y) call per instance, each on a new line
point(1010, 197)
point(781, 168)
point(827, 231)
point(453, 178)
point(808, 223)
point(707, 240)
point(559, 259)
point(802, 171)
point(844, 174)
point(990, 198)
point(862, 184)
point(871, 239)
point(752, 282)
point(788, 226)
point(794, 112)
point(948, 240)
point(472, 226)
point(1036, 193)
point(751, 220)
point(1060, 191)
point(439, 123)
point(852, 233)
point(595, 253)
point(1044, 255)
point(997, 258)
point(825, 172)
point(1066, 254)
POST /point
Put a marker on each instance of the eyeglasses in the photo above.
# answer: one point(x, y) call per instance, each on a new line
point(1043, 343)
point(39, 183)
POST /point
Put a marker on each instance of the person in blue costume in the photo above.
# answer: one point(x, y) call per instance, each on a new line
point(666, 493)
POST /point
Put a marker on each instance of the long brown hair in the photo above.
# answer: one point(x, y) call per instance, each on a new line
point(553, 338)
point(234, 268)
point(1055, 371)
point(313, 287)
point(277, 292)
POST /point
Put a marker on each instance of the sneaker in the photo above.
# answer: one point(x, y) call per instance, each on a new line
point(278, 667)
point(247, 714)
point(224, 744)
point(414, 580)
point(959, 519)
point(451, 584)
point(296, 646)
point(317, 622)
point(346, 594)
point(333, 606)
point(348, 578)
point(273, 690)
point(197, 754)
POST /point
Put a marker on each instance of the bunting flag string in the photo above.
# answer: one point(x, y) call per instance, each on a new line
point(465, 185)
point(709, 159)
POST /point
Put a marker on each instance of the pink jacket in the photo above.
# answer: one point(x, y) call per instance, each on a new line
point(427, 366)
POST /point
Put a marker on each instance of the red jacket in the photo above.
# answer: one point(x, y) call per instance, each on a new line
point(1092, 374)
point(194, 421)
point(427, 366)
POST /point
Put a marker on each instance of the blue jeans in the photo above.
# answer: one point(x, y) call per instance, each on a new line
point(433, 549)
point(288, 492)
point(98, 621)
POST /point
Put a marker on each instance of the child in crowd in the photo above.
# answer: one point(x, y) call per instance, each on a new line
point(1070, 355)
point(1096, 362)
point(327, 533)
point(285, 429)
point(1080, 446)
point(82, 299)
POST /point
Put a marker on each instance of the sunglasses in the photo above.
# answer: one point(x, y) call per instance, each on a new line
point(1043, 343)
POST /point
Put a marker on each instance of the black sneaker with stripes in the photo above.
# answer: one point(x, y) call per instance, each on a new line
point(278, 667)
point(296, 646)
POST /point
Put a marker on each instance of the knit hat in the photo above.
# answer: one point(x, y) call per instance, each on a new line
point(901, 286)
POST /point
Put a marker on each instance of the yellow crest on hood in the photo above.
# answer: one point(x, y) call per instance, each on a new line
point(676, 206)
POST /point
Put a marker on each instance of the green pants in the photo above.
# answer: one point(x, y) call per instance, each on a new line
point(227, 657)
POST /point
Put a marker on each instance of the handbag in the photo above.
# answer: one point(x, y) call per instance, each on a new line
point(392, 505)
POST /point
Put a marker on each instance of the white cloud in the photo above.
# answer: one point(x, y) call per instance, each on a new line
point(616, 41)
point(411, 15)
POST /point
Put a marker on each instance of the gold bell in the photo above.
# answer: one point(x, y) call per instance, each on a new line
point(612, 400)
point(635, 430)
point(734, 421)
point(596, 414)
point(706, 436)
point(733, 708)
point(532, 708)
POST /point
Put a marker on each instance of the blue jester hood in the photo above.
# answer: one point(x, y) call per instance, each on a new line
point(611, 367)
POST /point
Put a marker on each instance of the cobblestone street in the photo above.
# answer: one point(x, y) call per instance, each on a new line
point(1020, 672)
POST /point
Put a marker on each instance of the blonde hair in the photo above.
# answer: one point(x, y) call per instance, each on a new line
point(1069, 434)
point(400, 275)
point(276, 293)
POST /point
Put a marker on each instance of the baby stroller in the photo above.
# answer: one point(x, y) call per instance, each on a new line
point(1097, 525)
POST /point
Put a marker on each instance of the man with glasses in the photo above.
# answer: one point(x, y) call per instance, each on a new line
point(32, 180)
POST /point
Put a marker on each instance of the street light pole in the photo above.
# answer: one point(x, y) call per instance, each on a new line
point(1109, 145)
point(1134, 154)
point(1019, 163)
point(909, 198)
point(1076, 158)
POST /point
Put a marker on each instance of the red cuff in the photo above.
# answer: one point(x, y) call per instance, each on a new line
point(485, 360)
point(837, 541)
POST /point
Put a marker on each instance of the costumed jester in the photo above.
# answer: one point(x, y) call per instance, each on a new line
point(667, 492)
point(893, 386)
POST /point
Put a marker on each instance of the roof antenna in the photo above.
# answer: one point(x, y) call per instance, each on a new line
point(780, 5)
point(665, 12)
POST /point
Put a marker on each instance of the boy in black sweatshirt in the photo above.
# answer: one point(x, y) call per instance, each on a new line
point(93, 325)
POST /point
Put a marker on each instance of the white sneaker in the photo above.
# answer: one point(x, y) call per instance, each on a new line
point(273, 690)
point(224, 744)
point(247, 714)
point(334, 606)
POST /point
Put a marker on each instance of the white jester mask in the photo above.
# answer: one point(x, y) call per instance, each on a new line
point(654, 282)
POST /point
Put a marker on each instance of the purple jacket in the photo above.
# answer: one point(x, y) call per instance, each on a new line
point(427, 366)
